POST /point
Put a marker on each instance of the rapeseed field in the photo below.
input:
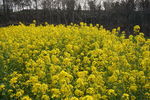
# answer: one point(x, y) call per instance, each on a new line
point(73, 62)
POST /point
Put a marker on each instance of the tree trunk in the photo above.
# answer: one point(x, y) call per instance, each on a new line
point(4, 6)
point(36, 5)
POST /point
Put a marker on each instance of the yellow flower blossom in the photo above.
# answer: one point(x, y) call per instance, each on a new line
point(79, 92)
point(44, 88)
point(2, 87)
point(66, 90)
point(82, 74)
point(36, 88)
point(87, 97)
point(74, 98)
point(111, 92)
point(133, 88)
point(45, 97)
point(13, 80)
point(55, 93)
point(133, 98)
point(125, 96)
point(90, 91)
point(19, 93)
point(91, 78)
point(26, 98)
point(136, 28)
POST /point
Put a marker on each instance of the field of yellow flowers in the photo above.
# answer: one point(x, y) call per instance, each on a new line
point(74, 62)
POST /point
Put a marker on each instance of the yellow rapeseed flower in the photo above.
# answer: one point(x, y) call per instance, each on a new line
point(2, 87)
point(26, 98)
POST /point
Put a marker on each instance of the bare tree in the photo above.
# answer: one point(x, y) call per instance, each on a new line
point(36, 4)
point(92, 4)
point(108, 5)
point(144, 5)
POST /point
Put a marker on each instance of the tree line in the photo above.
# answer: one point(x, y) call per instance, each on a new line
point(110, 13)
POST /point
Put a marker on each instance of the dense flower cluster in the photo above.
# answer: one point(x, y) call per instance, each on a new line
point(74, 62)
